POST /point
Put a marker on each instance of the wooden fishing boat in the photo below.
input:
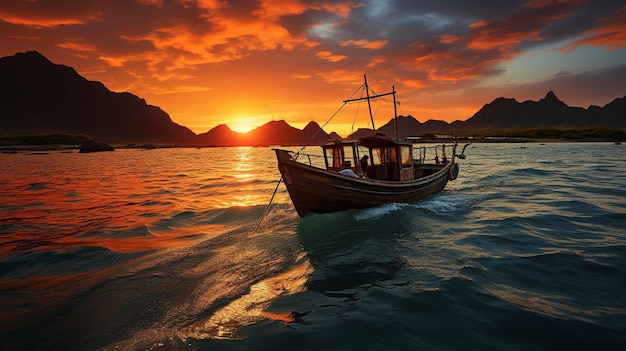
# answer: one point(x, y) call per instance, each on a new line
point(388, 172)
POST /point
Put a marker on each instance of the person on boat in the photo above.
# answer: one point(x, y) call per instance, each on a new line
point(347, 171)
point(364, 164)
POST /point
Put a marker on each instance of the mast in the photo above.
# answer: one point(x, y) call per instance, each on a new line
point(369, 105)
point(369, 97)
point(395, 110)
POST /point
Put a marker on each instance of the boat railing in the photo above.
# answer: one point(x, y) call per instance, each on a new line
point(422, 154)
point(437, 153)
point(308, 158)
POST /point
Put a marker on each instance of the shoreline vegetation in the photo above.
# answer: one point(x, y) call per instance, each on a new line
point(67, 141)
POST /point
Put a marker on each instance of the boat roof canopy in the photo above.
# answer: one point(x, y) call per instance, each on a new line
point(341, 142)
point(370, 141)
point(380, 140)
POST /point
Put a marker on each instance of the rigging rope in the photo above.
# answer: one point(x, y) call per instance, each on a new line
point(376, 98)
point(267, 209)
point(325, 123)
point(356, 113)
point(358, 101)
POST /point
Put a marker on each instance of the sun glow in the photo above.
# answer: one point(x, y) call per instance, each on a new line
point(242, 124)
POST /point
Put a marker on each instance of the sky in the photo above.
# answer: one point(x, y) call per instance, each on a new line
point(245, 63)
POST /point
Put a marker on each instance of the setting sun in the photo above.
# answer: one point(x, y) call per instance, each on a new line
point(243, 124)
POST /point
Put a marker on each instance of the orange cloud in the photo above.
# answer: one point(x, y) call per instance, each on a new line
point(36, 15)
point(611, 34)
point(453, 74)
point(300, 76)
point(329, 56)
point(525, 26)
point(344, 77)
point(77, 47)
point(219, 37)
point(414, 83)
point(377, 61)
point(206, 4)
point(478, 24)
point(495, 38)
point(114, 61)
point(226, 37)
point(443, 65)
point(453, 69)
point(448, 39)
point(277, 8)
point(40, 22)
point(342, 9)
point(363, 43)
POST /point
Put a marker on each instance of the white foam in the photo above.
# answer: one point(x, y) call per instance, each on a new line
point(377, 212)
point(437, 204)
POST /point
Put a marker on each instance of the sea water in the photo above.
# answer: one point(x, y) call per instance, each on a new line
point(164, 250)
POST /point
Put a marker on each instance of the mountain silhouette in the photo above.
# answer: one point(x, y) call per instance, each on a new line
point(220, 135)
point(504, 114)
point(271, 133)
point(549, 112)
point(409, 126)
point(38, 96)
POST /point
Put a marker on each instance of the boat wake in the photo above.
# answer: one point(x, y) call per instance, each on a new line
point(441, 203)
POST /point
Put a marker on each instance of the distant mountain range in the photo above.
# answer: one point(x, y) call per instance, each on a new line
point(38, 96)
point(271, 133)
point(504, 114)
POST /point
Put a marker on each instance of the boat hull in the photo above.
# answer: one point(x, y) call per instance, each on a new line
point(315, 190)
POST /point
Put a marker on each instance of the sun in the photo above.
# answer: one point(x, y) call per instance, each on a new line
point(242, 125)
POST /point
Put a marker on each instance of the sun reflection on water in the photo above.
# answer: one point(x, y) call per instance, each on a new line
point(251, 307)
point(242, 187)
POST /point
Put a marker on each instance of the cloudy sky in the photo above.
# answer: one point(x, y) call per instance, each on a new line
point(244, 63)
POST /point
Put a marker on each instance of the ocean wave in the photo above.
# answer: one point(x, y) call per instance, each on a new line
point(524, 250)
point(57, 262)
point(448, 202)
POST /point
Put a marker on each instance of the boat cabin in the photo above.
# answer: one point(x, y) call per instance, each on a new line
point(341, 154)
point(386, 159)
